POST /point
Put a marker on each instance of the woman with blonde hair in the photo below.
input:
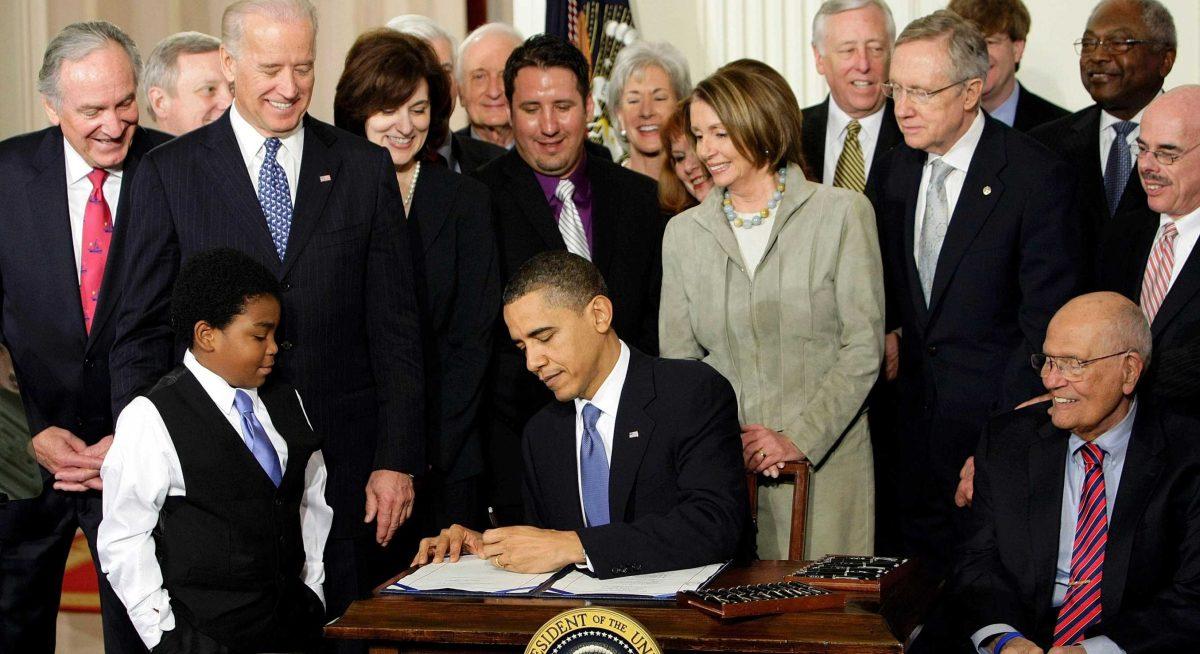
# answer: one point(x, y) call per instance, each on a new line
point(777, 283)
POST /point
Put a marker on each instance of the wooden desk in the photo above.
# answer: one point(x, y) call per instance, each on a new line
point(403, 623)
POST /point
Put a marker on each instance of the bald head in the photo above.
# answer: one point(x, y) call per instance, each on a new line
point(1171, 128)
point(1103, 321)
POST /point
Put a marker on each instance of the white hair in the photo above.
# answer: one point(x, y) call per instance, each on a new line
point(232, 20)
point(831, 7)
point(477, 35)
point(75, 42)
point(634, 58)
point(424, 28)
point(162, 66)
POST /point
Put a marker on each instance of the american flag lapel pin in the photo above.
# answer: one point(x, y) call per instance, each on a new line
point(633, 434)
point(326, 178)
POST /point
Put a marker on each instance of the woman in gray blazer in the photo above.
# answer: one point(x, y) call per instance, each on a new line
point(777, 283)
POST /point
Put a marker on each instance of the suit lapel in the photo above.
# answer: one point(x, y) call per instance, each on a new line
point(908, 169)
point(48, 203)
point(560, 474)
point(889, 136)
point(606, 207)
point(318, 173)
point(228, 170)
point(532, 202)
point(1143, 464)
point(813, 138)
point(1047, 473)
point(981, 191)
point(712, 219)
point(628, 449)
point(431, 204)
point(1181, 294)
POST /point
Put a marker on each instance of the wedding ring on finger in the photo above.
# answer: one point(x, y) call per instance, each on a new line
point(762, 454)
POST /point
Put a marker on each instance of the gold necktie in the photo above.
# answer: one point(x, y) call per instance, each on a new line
point(850, 169)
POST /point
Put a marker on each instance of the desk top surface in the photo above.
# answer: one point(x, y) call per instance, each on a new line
point(864, 625)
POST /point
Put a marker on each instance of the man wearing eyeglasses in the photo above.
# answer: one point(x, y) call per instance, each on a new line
point(980, 248)
point(1125, 54)
point(1085, 531)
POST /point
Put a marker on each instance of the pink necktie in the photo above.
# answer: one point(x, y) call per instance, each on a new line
point(97, 234)
point(1157, 279)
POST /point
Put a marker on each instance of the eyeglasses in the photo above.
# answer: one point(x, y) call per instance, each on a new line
point(1069, 367)
point(1164, 158)
point(1111, 46)
point(919, 96)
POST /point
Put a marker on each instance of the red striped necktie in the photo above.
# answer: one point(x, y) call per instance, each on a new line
point(1081, 608)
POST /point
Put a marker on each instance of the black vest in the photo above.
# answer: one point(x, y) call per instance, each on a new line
point(230, 550)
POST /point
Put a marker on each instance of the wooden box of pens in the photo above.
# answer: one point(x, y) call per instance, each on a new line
point(874, 575)
point(761, 599)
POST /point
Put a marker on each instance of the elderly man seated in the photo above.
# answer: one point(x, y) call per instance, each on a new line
point(1086, 517)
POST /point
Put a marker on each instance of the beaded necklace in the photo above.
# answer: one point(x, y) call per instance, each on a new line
point(760, 216)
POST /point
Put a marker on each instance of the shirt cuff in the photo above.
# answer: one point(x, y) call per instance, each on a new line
point(987, 632)
point(320, 592)
point(1101, 645)
point(152, 616)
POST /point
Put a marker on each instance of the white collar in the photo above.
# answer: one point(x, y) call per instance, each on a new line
point(839, 119)
point(960, 154)
point(1186, 225)
point(608, 396)
point(77, 168)
point(217, 388)
point(250, 141)
point(1107, 120)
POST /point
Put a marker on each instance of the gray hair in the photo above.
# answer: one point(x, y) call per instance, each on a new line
point(1160, 26)
point(282, 10)
point(634, 58)
point(968, 50)
point(76, 41)
point(162, 66)
point(477, 35)
point(1131, 330)
point(424, 28)
point(831, 7)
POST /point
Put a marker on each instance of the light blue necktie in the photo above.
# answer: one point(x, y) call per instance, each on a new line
point(934, 225)
point(256, 438)
point(1119, 166)
point(275, 197)
point(593, 470)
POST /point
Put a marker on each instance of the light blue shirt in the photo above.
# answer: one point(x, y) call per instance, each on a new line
point(1007, 111)
point(1115, 443)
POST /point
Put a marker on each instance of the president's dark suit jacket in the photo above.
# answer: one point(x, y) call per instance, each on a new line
point(1151, 589)
point(1034, 110)
point(1076, 138)
point(471, 153)
point(63, 370)
point(349, 337)
point(812, 140)
point(677, 493)
point(1174, 373)
point(627, 235)
point(458, 286)
point(1009, 261)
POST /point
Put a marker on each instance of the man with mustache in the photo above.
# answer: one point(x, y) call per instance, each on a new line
point(1125, 54)
point(65, 223)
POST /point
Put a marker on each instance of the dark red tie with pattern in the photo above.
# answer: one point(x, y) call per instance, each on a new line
point(1081, 608)
point(97, 236)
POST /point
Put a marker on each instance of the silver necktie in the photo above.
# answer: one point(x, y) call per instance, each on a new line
point(570, 225)
point(934, 225)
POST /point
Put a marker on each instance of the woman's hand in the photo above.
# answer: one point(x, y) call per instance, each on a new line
point(765, 450)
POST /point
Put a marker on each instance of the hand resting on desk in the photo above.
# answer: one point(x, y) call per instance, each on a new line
point(519, 549)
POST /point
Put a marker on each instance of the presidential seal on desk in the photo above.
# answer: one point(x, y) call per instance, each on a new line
point(592, 630)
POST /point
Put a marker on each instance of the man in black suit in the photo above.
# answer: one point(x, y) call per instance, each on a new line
point(349, 337)
point(65, 226)
point(1156, 263)
point(1005, 25)
point(636, 468)
point(1126, 52)
point(852, 43)
point(979, 250)
point(480, 72)
point(610, 217)
point(1086, 524)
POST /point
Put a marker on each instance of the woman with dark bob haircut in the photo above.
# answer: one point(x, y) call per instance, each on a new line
point(394, 93)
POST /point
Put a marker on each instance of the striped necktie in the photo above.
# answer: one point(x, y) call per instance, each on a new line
point(1081, 607)
point(570, 225)
point(1156, 281)
point(850, 172)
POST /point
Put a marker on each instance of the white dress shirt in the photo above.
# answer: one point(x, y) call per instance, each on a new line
point(253, 148)
point(959, 158)
point(835, 138)
point(1108, 135)
point(79, 189)
point(142, 469)
point(1188, 228)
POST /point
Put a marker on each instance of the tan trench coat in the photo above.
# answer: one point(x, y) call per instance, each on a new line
point(801, 344)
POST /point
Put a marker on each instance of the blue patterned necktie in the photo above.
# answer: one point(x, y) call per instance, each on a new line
point(275, 197)
point(593, 470)
point(1120, 164)
point(256, 438)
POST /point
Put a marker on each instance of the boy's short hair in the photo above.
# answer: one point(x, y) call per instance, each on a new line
point(569, 280)
point(213, 286)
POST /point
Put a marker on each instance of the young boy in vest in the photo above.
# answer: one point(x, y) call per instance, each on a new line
point(215, 518)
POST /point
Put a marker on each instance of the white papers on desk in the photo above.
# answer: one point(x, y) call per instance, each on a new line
point(470, 574)
point(657, 585)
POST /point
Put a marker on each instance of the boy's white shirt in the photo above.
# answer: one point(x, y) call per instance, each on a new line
point(142, 469)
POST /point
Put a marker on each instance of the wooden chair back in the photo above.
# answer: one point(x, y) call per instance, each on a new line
point(800, 470)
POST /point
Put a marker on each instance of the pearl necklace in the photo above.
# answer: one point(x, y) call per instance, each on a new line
point(759, 216)
point(412, 187)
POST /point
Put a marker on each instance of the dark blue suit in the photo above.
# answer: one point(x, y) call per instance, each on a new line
point(349, 337)
point(64, 377)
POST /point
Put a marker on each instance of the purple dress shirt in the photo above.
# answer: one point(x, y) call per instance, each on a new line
point(582, 197)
